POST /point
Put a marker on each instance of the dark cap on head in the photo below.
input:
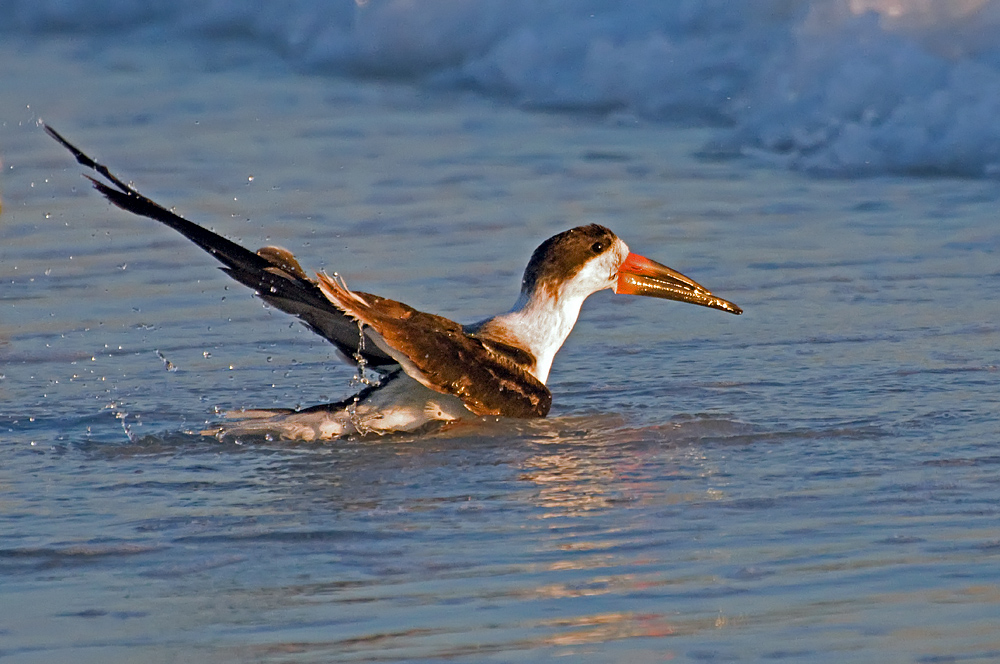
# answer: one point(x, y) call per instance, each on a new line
point(561, 256)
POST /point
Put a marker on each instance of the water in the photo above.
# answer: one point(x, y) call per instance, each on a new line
point(816, 480)
point(842, 87)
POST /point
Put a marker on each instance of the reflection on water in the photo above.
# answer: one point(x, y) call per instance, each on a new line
point(586, 474)
point(576, 532)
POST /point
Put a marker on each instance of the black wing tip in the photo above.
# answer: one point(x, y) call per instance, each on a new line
point(86, 161)
point(240, 263)
point(77, 152)
point(52, 132)
point(117, 198)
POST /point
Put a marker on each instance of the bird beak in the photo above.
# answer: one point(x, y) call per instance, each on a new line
point(640, 276)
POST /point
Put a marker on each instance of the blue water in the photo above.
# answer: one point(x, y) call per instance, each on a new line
point(833, 87)
point(816, 480)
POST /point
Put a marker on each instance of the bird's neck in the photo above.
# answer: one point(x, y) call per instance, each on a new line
point(539, 323)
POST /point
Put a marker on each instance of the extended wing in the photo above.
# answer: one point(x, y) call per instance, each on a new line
point(272, 272)
point(489, 377)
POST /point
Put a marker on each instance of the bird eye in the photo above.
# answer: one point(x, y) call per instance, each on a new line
point(597, 247)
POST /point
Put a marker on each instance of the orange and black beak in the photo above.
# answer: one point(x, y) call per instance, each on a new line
point(640, 276)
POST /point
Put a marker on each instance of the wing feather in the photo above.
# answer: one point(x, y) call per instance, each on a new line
point(273, 272)
point(439, 354)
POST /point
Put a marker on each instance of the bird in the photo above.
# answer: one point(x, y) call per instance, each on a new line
point(430, 369)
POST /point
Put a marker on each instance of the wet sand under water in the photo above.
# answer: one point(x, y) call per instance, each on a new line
point(817, 480)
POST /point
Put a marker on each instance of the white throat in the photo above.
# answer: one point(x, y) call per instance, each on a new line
point(543, 316)
point(540, 324)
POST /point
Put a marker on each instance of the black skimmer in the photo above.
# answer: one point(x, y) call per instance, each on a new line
point(430, 368)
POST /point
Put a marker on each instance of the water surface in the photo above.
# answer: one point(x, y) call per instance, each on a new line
point(816, 480)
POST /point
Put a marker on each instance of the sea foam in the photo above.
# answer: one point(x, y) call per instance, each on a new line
point(835, 87)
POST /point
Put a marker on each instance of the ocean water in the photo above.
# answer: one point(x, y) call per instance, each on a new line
point(829, 87)
point(817, 480)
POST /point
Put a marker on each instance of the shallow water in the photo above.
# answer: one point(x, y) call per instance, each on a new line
point(816, 480)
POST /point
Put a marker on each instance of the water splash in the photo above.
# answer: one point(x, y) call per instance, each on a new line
point(167, 364)
point(122, 416)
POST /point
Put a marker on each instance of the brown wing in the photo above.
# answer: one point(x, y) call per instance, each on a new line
point(437, 352)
